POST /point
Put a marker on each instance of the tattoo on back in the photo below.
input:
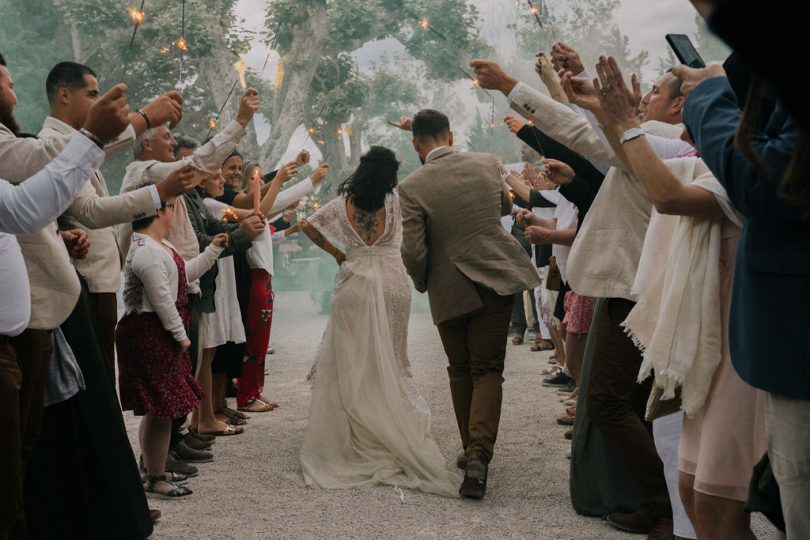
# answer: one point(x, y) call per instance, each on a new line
point(366, 221)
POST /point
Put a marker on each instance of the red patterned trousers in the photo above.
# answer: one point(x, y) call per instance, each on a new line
point(257, 330)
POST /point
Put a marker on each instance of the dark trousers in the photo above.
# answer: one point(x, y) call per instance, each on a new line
point(24, 363)
point(616, 402)
point(475, 344)
point(105, 316)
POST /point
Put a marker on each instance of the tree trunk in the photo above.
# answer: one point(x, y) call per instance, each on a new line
point(75, 39)
point(291, 106)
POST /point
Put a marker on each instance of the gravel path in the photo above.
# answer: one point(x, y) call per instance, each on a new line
point(254, 487)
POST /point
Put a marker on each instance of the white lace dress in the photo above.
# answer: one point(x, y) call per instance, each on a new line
point(367, 423)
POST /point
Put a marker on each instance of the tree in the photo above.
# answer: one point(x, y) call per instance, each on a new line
point(322, 87)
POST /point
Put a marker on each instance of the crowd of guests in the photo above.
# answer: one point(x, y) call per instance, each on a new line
point(669, 228)
point(659, 222)
point(192, 230)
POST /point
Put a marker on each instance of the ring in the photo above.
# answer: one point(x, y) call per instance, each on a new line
point(606, 88)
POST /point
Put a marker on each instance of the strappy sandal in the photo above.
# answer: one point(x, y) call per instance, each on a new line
point(230, 413)
point(268, 401)
point(228, 431)
point(175, 491)
point(169, 476)
point(256, 406)
point(542, 345)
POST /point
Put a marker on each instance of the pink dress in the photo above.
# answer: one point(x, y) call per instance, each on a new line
point(723, 442)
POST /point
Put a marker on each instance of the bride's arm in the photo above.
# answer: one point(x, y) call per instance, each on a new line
point(319, 240)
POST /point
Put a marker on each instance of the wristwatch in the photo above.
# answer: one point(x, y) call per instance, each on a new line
point(631, 134)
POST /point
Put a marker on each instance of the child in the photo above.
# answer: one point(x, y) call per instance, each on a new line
point(155, 379)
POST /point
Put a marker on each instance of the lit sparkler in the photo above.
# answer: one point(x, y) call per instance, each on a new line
point(137, 15)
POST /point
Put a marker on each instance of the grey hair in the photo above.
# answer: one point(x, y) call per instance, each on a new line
point(185, 142)
point(146, 135)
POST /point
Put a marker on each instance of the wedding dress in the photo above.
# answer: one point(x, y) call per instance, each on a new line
point(367, 423)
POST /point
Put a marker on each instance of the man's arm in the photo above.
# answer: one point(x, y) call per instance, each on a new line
point(414, 240)
point(29, 206)
point(96, 212)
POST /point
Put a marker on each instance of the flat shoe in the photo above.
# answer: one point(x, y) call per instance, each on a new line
point(228, 431)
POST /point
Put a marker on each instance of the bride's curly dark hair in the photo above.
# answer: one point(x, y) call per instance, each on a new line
point(374, 178)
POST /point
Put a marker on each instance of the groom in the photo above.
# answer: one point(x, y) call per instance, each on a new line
point(455, 248)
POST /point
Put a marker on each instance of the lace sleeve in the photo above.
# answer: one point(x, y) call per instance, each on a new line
point(328, 221)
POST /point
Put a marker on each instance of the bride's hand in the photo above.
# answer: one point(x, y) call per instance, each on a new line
point(340, 257)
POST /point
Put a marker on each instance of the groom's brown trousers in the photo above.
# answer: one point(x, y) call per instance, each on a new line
point(475, 344)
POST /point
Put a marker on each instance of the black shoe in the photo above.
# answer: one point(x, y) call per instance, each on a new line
point(193, 442)
point(461, 461)
point(175, 465)
point(558, 380)
point(474, 485)
point(185, 453)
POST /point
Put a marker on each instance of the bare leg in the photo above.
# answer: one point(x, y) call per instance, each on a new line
point(720, 518)
point(206, 421)
point(218, 386)
point(559, 344)
point(156, 434)
point(574, 353)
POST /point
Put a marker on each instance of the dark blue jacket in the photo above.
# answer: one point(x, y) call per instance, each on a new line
point(770, 308)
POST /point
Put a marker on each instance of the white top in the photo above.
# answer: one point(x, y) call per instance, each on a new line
point(150, 279)
point(28, 207)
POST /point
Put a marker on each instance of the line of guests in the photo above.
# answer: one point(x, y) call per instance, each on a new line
point(198, 263)
point(658, 227)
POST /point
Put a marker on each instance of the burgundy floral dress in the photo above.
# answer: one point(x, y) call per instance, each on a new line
point(154, 374)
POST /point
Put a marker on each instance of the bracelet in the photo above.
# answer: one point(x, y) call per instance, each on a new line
point(146, 118)
point(631, 134)
point(92, 137)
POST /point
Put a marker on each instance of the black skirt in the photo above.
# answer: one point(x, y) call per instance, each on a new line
point(82, 480)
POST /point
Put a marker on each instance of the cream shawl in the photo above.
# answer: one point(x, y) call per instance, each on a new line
point(677, 320)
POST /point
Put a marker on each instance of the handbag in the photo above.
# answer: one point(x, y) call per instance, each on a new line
point(553, 277)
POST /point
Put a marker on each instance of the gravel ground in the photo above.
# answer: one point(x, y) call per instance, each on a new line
point(254, 487)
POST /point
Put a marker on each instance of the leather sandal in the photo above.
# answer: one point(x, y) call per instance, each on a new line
point(256, 406)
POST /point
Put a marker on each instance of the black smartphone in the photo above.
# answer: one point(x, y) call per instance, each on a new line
point(685, 51)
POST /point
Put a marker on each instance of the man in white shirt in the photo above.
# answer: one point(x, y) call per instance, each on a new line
point(25, 209)
point(72, 89)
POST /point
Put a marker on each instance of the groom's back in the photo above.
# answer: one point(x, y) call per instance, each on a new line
point(452, 206)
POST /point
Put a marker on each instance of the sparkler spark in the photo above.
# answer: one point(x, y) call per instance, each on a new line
point(424, 23)
point(136, 15)
point(212, 123)
point(164, 50)
point(181, 43)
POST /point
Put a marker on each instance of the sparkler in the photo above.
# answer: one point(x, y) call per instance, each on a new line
point(241, 78)
point(311, 131)
point(137, 15)
point(535, 11)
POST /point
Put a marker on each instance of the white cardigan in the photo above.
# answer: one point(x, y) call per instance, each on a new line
point(150, 279)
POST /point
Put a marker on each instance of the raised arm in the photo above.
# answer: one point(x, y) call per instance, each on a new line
point(28, 207)
point(668, 194)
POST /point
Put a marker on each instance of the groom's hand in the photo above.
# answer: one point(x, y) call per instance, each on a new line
point(405, 123)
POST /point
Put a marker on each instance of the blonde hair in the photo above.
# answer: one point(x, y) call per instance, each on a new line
point(247, 172)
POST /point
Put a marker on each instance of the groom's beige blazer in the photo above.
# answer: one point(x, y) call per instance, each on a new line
point(452, 233)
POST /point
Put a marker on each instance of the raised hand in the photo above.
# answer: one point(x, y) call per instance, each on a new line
point(580, 92)
point(405, 123)
point(514, 123)
point(319, 174)
point(549, 77)
point(287, 171)
point(691, 77)
point(491, 76)
point(253, 226)
point(166, 107)
point(302, 158)
point(558, 172)
point(178, 182)
point(248, 106)
point(220, 240)
point(76, 243)
point(617, 102)
point(109, 115)
point(566, 58)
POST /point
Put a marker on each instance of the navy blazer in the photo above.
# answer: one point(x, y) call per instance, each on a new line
point(770, 308)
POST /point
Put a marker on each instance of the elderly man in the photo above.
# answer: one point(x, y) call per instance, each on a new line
point(602, 263)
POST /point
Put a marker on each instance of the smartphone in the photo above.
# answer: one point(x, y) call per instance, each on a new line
point(685, 51)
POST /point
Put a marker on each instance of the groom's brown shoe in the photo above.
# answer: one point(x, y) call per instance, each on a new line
point(474, 485)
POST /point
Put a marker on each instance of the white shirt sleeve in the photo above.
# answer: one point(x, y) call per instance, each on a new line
point(27, 207)
point(203, 262)
point(290, 195)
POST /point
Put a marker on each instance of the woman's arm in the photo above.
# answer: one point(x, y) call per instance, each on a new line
point(319, 240)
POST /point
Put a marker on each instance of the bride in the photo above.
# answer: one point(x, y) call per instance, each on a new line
point(367, 423)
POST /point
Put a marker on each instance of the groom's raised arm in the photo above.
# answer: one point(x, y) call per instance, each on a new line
point(414, 243)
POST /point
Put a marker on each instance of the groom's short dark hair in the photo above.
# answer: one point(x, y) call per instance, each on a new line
point(430, 124)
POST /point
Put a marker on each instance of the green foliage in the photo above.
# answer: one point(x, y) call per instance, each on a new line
point(493, 138)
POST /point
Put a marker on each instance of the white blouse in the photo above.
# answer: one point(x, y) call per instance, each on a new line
point(150, 279)
point(260, 253)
